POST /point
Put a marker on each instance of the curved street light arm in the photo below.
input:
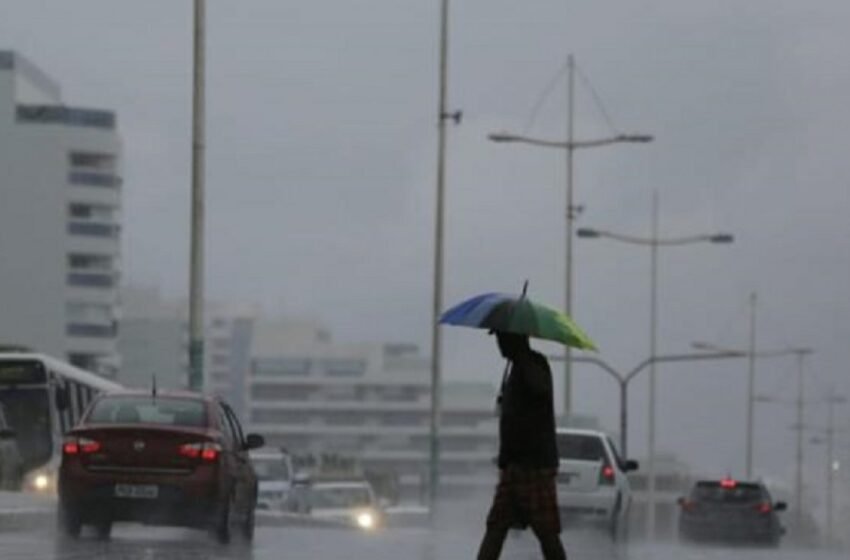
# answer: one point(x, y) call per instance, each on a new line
point(681, 358)
point(574, 145)
point(648, 241)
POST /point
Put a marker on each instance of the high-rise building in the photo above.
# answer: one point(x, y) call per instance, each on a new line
point(153, 342)
point(60, 220)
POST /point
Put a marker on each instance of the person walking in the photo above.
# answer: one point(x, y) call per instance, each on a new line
point(526, 495)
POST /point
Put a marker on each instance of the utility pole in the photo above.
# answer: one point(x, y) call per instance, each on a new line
point(436, 351)
point(798, 477)
point(830, 475)
point(568, 284)
point(653, 349)
point(196, 270)
point(751, 387)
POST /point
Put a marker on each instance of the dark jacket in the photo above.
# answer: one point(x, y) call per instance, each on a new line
point(527, 420)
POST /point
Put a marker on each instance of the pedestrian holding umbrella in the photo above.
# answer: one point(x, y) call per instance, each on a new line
point(528, 457)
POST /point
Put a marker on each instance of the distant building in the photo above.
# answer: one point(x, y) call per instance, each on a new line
point(60, 220)
point(153, 341)
point(369, 402)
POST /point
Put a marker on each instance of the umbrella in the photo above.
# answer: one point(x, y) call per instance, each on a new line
point(519, 315)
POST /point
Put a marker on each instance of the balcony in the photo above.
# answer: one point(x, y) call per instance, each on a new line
point(94, 229)
point(84, 330)
point(94, 179)
point(91, 279)
point(59, 114)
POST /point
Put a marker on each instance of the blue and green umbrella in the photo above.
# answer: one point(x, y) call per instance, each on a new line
point(519, 315)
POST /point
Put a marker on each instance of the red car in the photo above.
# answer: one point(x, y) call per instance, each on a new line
point(177, 459)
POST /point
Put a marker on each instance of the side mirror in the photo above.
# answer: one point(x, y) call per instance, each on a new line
point(254, 441)
point(680, 500)
point(780, 506)
point(631, 465)
point(7, 433)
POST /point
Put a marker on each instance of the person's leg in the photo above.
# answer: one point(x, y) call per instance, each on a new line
point(550, 544)
point(491, 544)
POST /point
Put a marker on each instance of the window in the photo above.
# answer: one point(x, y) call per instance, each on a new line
point(89, 312)
point(94, 179)
point(65, 115)
point(580, 447)
point(88, 280)
point(168, 411)
point(272, 416)
point(734, 493)
point(89, 261)
point(345, 367)
point(93, 229)
point(90, 331)
point(234, 425)
point(267, 392)
point(281, 366)
point(92, 160)
point(101, 212)
point(225, 427)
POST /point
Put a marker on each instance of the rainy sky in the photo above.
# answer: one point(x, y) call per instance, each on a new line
point(321, 169)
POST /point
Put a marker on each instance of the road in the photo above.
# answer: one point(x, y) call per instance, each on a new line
point(142, 543)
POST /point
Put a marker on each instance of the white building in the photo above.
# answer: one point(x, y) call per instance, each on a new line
point(60, 220)
point(370, 402)
point(153, 342)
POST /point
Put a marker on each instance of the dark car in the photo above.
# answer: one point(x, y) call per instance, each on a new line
point(177, 459)
point(730, 511)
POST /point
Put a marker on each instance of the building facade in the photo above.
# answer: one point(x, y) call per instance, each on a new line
point(367, 402)
point(60, 221)
point(153, 342)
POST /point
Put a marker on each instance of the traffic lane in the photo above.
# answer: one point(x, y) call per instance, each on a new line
point(144, 543)
point(292, 543)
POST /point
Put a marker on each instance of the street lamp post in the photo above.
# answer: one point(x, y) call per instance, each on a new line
point(752, 398)
point(624, 380)
point(196, 259)
point(570, 145)
point(437, 303)
point(654, 242)
point(828, 439)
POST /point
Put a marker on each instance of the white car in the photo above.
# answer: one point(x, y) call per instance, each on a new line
point(274, 475)
point(592, 483)
point(349, 502)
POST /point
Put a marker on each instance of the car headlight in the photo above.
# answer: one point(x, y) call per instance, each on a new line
point(41, 482)
point(365, 520)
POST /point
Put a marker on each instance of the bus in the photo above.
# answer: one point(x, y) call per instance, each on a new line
point(43, 398)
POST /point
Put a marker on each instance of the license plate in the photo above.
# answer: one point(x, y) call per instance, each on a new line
point(142, 491)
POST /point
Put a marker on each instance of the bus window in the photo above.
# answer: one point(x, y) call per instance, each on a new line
point(62, 403)
point(82, 399)
point(28, 413)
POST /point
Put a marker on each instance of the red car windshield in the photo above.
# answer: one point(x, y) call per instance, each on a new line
point(167, 411)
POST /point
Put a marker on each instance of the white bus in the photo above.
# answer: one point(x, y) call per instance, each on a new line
point(43, 398)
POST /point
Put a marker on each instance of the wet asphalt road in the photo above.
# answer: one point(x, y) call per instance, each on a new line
point(143, 543)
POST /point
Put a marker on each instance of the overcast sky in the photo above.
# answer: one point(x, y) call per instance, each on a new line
point(321, 167)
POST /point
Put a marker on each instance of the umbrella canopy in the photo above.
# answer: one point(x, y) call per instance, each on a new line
point(520, 315)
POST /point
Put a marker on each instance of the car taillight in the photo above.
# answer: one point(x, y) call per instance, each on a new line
point(728, 483)
point(206, 451)
point(606, 476)
point(76, 446)
point(764, 507)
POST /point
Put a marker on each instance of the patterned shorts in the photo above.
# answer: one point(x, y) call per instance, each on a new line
point(526, 498)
